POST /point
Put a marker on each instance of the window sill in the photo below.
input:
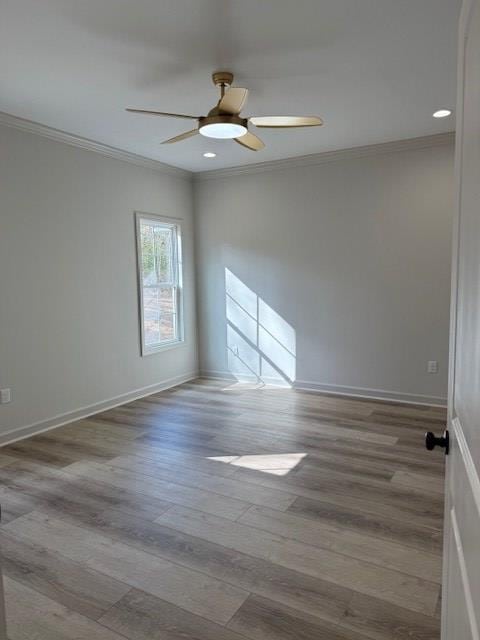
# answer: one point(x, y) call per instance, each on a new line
point(151, 351)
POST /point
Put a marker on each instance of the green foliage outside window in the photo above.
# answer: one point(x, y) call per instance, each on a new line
point(156, 252)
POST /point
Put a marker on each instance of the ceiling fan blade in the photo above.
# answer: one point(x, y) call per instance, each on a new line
point(182, 136)
point(162, 113)
point(251, 141)
point(233, 101)
point(286, 121)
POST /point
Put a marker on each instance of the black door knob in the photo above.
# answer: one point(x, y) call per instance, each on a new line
point(432, 441)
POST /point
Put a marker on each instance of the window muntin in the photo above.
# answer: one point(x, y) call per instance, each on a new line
point(160, 282)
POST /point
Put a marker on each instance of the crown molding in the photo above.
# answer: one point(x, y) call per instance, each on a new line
point(409, 144)
point(73, 140)
point(29, 126)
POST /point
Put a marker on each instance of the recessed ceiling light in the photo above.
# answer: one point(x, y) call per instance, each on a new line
point(209, 154)
point(442, 113)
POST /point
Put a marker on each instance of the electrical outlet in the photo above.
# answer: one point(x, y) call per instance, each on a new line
point(5, 396)
point(432, 366)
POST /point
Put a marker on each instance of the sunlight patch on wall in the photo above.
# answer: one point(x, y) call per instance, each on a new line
point(278, 464)
point(261, 345)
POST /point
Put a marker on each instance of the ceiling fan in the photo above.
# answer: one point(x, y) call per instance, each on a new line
point(224, 120)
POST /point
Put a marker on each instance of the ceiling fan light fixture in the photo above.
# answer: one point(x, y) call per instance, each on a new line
point(442, 113)
point(222, 127)
point(223, 130)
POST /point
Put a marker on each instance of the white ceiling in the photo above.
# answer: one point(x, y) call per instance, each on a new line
point(375, 70)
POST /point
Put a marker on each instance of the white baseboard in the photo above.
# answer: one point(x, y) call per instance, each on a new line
point(64, 418)
point(374, 394)
point(341, 390)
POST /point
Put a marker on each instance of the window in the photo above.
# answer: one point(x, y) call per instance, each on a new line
point(160, 282)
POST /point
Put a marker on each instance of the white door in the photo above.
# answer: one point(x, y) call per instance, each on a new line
point(3, 620)
point(461, 590)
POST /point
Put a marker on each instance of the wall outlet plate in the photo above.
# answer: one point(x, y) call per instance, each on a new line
point(5, 396)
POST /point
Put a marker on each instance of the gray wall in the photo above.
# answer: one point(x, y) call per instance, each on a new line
point(336, 276)
point(68, 303)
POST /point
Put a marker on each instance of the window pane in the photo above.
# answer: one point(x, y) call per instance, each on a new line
point(163, 254)
point(157, 258)
point(148, 261)
point(167, 327)
point(159, 316)
point(152, 332)
point(151, 316)
point(167, 300)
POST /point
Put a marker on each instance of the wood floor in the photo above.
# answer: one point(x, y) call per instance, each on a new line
point(219, 511)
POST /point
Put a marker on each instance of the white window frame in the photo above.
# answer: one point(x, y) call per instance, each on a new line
point(177, 268)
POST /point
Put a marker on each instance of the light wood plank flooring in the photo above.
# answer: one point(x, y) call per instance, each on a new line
point(220, 511)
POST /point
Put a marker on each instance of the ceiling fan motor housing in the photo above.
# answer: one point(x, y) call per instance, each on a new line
point(222, 77)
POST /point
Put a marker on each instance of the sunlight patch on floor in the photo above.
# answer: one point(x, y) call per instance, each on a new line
point(278, 464)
